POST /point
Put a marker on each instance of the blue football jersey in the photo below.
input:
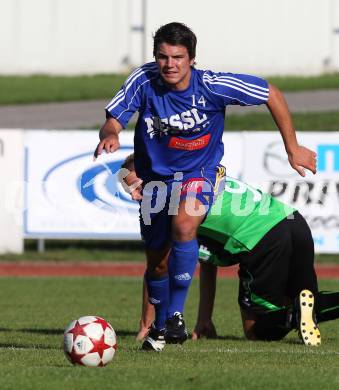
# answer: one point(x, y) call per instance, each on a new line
point(181, 131)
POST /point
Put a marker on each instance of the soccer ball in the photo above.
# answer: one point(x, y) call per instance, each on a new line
point(90, 341)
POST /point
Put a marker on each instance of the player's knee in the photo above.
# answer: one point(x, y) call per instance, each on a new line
point(157, 270)
point(157, 263)
point(249, 331)
point(184, 230)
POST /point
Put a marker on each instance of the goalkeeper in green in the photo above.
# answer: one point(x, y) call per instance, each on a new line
point(273, 246)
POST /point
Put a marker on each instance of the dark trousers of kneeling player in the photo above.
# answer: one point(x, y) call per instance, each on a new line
point(272, 276)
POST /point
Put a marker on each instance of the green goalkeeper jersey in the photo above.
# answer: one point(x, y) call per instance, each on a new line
point(240, 217)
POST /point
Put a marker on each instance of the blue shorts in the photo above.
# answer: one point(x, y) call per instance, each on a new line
point(161, 200)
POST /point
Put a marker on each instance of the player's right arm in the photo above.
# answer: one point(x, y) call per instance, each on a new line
point(120, 109)
point(109, 137)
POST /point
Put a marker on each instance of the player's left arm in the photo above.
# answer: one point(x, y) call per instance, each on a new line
point(299, 156)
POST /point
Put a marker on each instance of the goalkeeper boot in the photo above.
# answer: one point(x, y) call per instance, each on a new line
point(155, 340)
point(175, 331)
point(305, 317)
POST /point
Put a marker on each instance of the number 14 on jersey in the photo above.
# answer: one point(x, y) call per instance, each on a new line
point(201, 101)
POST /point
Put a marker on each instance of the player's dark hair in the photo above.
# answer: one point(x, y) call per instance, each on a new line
point(129, 162)
point(175, 34)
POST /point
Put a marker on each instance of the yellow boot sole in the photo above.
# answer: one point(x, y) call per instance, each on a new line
point(308, 329)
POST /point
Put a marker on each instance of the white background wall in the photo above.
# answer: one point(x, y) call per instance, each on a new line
point(86, 36)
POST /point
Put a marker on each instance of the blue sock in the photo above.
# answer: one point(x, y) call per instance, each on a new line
point(181, 266)
point(158, 296)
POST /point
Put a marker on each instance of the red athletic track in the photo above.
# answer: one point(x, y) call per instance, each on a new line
point(115, 269)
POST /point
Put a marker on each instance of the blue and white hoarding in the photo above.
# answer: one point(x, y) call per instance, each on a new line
point(315, 196)
point(70, 196)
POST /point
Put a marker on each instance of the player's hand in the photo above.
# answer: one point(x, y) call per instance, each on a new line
point(136, 193)
point(144, 325)
point(132, 185)
point(110, 144)
point(142, 333)
point(204, 329)
point(301, 158)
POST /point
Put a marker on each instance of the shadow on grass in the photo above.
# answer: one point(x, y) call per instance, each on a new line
point(125, 333)
point(27, 346)
point(225, 337)
point(230, 338)
point(36, 331)
point(47, 331)
point(42, 331)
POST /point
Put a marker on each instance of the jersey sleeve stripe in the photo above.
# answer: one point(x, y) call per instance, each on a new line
point(117, 96)
point(138, 73)
point(236, 80)
point(231, 97)
point(128, 83)
point(233, 81)
point(145, 67)
point(264, 98)
point(130, 102)
point(121, 94)
point(243, 87)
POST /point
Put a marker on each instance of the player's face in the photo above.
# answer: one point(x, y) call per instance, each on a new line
point(174, 65)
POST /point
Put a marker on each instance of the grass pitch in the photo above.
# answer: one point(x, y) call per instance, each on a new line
point(311, 121)
point(44, 88)
point(96, 250)
point(97, 255)
point(34, 312)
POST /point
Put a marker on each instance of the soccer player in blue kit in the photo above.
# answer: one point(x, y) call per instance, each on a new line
point(178, 147)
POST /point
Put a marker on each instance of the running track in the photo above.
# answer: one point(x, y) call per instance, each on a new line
point(124, 269)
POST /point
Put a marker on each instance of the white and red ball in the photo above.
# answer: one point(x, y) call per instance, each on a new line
point(90, 341)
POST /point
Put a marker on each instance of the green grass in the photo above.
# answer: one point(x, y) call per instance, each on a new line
point(299, 83)
point(327, 259)
point(63, 250)
point(79, 251)
point(34, 312)
point(75, 255)
point(323, 121)
point(43, 88)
